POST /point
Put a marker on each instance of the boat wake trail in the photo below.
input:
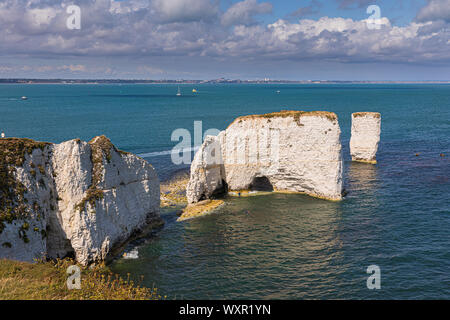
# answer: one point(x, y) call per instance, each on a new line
point(167, 152)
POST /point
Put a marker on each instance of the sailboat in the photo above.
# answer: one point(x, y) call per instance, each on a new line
point(179, 92)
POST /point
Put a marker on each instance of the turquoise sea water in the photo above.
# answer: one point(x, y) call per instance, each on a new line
point(396, 215)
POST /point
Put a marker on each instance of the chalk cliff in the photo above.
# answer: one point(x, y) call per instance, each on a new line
point(366, 129)
point(74, 198)
point(206, 171)
point(288, 151)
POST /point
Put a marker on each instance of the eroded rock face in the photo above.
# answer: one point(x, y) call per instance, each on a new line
point(75, 198)
point(289, 151)
point(26, 198)
point(206, 171)
point(366, 129)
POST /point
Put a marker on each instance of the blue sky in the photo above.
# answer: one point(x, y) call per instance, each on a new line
point(401, 12)
point(206, 39)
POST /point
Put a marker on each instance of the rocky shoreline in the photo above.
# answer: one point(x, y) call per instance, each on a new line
point(173, 191)
point(173, 195)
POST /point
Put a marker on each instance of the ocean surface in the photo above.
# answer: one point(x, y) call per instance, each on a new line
point(396, 215)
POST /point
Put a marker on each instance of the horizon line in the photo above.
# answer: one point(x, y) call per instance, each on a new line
point(199, 81)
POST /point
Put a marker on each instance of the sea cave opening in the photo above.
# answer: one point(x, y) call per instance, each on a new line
point(261, 184)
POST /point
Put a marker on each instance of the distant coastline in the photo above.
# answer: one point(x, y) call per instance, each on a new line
point(214, 81)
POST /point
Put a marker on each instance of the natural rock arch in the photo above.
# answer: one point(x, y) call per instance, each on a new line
point(288, 151)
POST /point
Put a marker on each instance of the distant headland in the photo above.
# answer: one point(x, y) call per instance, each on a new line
point(220, 80)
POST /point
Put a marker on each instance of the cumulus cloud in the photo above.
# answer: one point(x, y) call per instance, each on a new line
point(185, 10)
point(154, 28)
point(435, 10)
point(150, 70)
point(73, 68)
point(338, 39)
point(45, 68)
point(6, 69)
point(243, 12)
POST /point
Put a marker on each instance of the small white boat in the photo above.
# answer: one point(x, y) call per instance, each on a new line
point(278, 91)
point(194, 90)
point(24, 98)
point(179, 92)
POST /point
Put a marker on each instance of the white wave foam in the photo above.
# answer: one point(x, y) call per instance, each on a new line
point(133, 254)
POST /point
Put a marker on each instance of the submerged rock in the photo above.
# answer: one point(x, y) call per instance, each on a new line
point(74, 198)
point(366, 130)
point(288, 151)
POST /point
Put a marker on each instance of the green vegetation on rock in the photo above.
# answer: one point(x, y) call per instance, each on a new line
point(297, 115)
point(365, 114)
point(12, 192)
point(101, 150)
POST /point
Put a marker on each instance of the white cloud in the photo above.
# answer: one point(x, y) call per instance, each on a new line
point(138, 29)
point(243, 12)
point(6, 69)
point(337, 39)
point(73, 68)
point(44, 68)
point(435, 10)
point(150, 70)
point(184, 10)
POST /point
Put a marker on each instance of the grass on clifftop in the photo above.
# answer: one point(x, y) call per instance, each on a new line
point(47, 281)
point(13, 150)
point(290, 113)
point(364, 114)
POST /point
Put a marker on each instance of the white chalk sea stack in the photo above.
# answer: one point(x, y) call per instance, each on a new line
point(366, 130)
point(288, 151)
point(206, 171)
point(74, 198)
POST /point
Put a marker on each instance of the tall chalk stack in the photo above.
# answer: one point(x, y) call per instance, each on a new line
point(366, 129)
point(79, 199)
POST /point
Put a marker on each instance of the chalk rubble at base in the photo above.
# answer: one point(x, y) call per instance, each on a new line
point(81, 199)
point(200, 209)
point(288, 151)
point(366, 130)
